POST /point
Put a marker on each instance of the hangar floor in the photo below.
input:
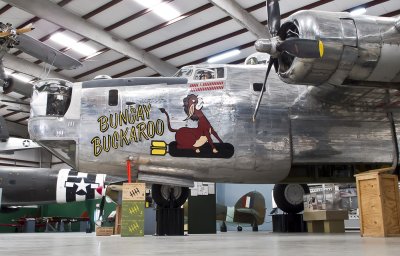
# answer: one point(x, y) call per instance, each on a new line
point(231, 243)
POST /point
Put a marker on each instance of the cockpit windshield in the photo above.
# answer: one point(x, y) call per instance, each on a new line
point(184, 72)
point(51, 97)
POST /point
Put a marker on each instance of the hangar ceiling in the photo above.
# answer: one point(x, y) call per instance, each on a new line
point(125, 38)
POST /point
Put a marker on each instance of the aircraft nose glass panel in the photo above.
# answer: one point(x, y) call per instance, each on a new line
point(51, 97)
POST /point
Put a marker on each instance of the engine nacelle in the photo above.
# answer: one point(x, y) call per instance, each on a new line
point(358, 50)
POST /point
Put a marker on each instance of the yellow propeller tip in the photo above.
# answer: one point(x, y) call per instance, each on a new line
point(321, 48)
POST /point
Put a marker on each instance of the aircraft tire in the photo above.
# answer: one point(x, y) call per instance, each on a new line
point(289, 197)
point(161, 195)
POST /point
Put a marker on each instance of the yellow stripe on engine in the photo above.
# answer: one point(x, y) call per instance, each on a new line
point(321, 48)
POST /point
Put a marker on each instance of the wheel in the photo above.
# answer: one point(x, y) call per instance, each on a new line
point(162, 195)
point(289, 197)
point(239, 228)
point(223, 228)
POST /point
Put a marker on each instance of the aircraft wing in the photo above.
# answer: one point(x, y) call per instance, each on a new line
point(46, 53)
point(340, 99)
point(252, 212)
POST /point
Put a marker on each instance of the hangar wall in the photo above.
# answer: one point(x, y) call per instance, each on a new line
point(228, 194)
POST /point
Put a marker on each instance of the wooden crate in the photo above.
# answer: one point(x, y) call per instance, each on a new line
point(379, 204)
point(104, 231)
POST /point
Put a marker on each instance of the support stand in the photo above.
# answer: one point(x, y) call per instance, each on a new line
point(170, 220)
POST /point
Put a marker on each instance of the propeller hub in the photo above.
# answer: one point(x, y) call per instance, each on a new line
point(268, 46)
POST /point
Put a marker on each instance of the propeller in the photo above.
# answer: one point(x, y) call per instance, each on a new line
point(11, 31)
point(11, 37)
point(275, 46)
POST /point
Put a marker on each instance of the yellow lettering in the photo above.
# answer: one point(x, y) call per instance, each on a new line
point(140, 113)
point(151, 129)
point(133, 134)
point(103, 121)
point(141, 127)
point(159, 127)
point(132, 116)
point(123, 137)
point(107, 143)
point(96, 146)
point(147, 110)
point(123, 117)
point(114, 141)
point(113, 121)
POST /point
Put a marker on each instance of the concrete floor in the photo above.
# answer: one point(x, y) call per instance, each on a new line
point(231, 243)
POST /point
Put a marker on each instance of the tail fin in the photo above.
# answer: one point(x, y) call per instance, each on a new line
point(252, 203)
point(4, 134)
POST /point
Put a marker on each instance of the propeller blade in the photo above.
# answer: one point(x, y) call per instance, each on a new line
point(25, 29)
point(46, 53)
point(302, 48)
point(270, 64)
point(274, 16)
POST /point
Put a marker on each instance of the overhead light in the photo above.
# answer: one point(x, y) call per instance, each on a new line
point(164, 10)
point(69, 42)
point(83, 49)
point(223, 56)
point(358, 11)
point(149, 3)
point(63, 39)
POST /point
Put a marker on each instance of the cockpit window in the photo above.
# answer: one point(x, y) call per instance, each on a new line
point(184, 72)
point(51, 97)
point(209, 73)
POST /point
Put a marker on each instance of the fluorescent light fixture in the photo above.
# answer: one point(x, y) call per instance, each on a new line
point(83, 49)
point(358, 11)
point(63, 39)
point(223, 56)
point(164, 10)
point(148, 3)
point(69, 42)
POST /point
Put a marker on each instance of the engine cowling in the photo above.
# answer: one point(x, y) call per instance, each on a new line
point(358, 51)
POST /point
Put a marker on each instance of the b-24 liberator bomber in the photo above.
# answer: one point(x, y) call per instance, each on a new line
point(328, 111)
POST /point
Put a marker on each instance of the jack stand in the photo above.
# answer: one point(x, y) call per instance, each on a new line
point(170, 220)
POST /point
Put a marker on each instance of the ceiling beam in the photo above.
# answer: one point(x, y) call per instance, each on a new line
point(57, 15)
point(241, 16)
point(12, 102)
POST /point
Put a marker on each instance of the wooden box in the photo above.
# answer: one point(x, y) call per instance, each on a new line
point(104, 231)
point(320, 221)
point(378, 201)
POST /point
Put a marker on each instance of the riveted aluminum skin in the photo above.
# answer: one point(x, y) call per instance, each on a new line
point(293, 127)
point(358, 50)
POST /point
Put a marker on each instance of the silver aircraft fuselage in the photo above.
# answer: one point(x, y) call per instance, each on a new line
point(166, 126)
point(177, 129)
